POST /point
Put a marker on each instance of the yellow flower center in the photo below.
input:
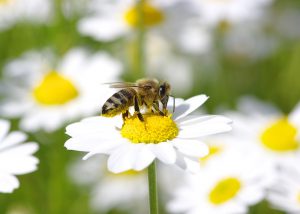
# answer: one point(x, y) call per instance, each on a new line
point(298, 197)
point(154, 129)
point(280, 136)
point(54, 89)
point(213, 150)
point(151, 16)
point(225, 190)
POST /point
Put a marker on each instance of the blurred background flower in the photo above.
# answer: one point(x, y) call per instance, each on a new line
point(53, 93)
point(15, 157)
point(56, 55)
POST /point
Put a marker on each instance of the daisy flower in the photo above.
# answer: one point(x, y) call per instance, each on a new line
point(172, 139)
point(228, 186)
point(15, 158)
point(111, 20)
point(52, 94)
point(285, 193)
point(13, 11)
point(263, 131)
point(216, 12)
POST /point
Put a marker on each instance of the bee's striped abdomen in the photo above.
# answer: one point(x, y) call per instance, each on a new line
point(118, 102)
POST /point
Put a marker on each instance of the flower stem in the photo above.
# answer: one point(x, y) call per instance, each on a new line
point(140, 40)
point(152, 188)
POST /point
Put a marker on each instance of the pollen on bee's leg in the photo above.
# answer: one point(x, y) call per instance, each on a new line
point(154, 129)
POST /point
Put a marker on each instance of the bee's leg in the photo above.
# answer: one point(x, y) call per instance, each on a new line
point(125, 115)
point(156, 107)
point(137, 109)
point(164, 101)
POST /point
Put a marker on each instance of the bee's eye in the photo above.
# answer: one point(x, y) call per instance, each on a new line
point(162, 91)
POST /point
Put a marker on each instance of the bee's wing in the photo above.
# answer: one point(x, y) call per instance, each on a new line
point(121, 84)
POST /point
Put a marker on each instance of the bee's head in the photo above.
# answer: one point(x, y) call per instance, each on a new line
point(164, 93)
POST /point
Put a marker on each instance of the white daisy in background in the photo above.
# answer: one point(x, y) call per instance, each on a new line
point(34, 11)
point(265, 132)
point(227, 186)
point(216, 12)
point(111, 20)
point(219, 146)
point(47, 95)
point(172, 139)
point(127, 190)
point(15, 157)
point(285, 193)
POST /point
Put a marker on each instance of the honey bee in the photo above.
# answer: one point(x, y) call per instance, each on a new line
point(143, 93)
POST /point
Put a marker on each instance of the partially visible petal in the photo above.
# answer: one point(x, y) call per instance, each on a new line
point(186, 163)
point(189, 106)
point(18, 165)
point(165, 152)
point(21, 150)
point(8, 183)
point(213, 125)
point(91, 144)
point(13, 138)
point(92, 125)
point(194, 148)
point(4, 127)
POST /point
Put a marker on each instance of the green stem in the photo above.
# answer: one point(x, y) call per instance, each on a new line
point(140, 40)
point(152, 188)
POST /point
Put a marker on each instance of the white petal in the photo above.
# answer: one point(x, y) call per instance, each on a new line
point(187, 164)
point(21, 150)
point(194, 148)
point(19, 165)
point(178, 102)
point(193, 119)
point(4, 127)
point(93, 125)
point(165, 152)
point(189, 106)
point(180, 160)
point(123, 158)
point(106, 148)
point(92, 144)
point(144, 157)
point(213, 125)
point(8, 183)
point(19, 159)
point(12, 139)
point(251, 195)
